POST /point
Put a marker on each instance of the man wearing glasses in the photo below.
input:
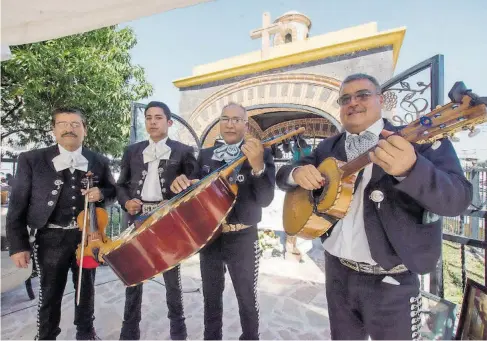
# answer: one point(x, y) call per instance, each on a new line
point(237, 247)
point(47, 195)
point(374, 254)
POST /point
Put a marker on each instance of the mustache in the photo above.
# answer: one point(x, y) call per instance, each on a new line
point(355, 110)
point(69, 134)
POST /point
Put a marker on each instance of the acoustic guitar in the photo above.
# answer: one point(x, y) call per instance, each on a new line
point(310, 214)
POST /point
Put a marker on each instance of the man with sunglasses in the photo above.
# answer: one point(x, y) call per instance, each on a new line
point(238, 246)
point(47, 196)
point(148, 169)
point(391, 232)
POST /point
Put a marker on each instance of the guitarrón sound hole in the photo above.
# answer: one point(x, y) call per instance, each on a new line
point(318, 194)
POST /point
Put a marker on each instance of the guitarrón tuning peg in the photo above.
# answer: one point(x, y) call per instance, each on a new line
point(474, 132)
point(453, 138)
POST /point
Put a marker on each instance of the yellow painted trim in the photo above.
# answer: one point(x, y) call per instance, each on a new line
point(394, 37)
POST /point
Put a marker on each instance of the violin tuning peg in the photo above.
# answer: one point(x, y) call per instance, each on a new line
point(473, 132)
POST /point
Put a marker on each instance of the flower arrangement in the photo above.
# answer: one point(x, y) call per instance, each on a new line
point(268, 242)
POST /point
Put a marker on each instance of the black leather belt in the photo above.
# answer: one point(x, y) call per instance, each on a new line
point(372, 269)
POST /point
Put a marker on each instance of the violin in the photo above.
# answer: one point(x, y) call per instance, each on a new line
point(92, 221)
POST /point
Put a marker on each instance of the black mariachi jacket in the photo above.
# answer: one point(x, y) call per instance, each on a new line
point(134, 171)
point(36, 190)
point(395, 230)
point(254, 193)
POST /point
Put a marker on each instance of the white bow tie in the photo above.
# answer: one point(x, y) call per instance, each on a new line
point(227, 152)
point(155, 151)
point(71, 161)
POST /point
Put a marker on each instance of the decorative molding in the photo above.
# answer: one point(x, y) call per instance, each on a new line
point(324, 92)
point(392, 38)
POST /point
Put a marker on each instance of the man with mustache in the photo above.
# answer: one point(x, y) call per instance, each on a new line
point(238, 246)
point(374, 254)
point(147, 171)
point(47, 195)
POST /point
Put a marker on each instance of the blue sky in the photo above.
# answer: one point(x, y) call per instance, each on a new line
point(172, 43)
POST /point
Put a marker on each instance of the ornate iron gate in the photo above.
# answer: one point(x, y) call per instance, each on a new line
point(414, 92)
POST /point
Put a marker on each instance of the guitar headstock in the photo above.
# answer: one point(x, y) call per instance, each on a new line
point(465, 111)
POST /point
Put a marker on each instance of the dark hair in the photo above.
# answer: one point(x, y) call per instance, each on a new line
point(360, 76)
point(67, 111)
point(233, 104)
point(163, 106)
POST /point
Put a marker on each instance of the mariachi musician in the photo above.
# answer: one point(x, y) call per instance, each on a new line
point(237, 247)
point(148, 169)
point(47, 195)
point(374, 254)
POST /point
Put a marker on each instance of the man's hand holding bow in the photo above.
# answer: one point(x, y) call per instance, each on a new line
point(254, 151)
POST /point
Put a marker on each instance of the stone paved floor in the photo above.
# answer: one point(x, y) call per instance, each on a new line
point(291, 296)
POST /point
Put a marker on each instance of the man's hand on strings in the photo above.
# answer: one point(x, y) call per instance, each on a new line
point(181, 183)
point(308, 177)
point(94, 194)
point(394, 154)
point(133, 206)
point(254, 151)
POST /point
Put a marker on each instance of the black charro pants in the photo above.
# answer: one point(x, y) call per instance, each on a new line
point(55, 255)
point(362, 305)
point(174, 298)
point(240, 252)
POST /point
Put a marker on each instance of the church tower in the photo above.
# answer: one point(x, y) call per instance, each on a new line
point(293, 26)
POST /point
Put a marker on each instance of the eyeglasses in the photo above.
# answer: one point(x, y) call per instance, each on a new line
point(64, 124)
point(233, 120)
point(360, 96)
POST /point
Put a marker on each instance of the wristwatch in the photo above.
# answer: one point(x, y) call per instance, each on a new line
point(259, 173)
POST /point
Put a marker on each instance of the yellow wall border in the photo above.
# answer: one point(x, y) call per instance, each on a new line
point(392, 38)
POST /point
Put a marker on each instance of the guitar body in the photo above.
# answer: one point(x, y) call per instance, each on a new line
point(310, 214)
point(172, 234)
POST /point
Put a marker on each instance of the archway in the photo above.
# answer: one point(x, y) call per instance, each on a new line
point(273, 119)
point(298, 95)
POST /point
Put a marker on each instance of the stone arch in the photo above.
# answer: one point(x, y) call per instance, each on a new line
point(322, 126)
point(311, 91)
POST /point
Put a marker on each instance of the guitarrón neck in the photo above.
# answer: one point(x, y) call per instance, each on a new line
point(363, 160)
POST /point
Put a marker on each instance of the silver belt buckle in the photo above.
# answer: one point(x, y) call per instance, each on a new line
point(146, 208)
point(351, 264)
point(73, 225)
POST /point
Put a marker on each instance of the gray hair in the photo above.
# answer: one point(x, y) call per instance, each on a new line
point(233, 104)
point(360, 76)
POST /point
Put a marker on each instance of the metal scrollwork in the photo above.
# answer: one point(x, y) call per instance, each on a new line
point(412, 103)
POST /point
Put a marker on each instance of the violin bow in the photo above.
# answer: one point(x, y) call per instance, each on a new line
point(83, 239)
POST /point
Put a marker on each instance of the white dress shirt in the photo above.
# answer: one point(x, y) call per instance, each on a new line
point(348, 238)
point(153, 153)
point(72, 160)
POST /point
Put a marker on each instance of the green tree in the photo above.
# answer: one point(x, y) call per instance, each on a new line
point(92, 71)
